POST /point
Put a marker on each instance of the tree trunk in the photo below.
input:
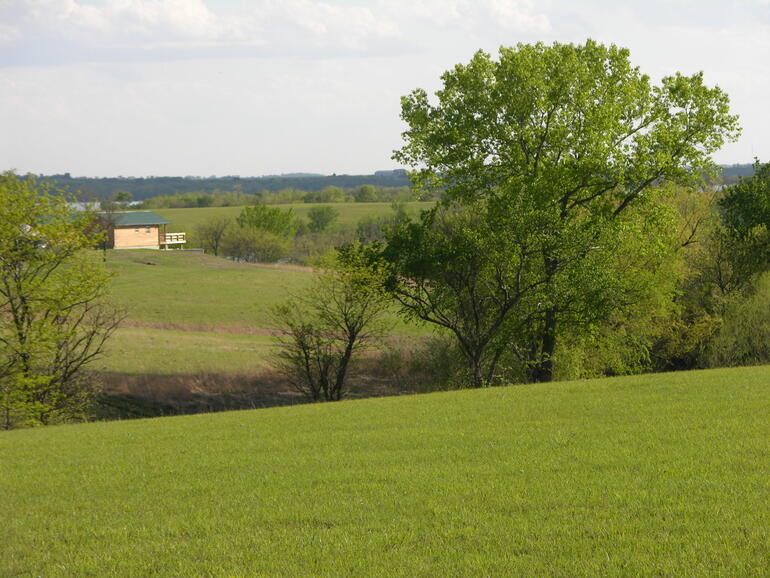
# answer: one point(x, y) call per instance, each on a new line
point(478, 378)
point(336, 393)
point(542, 368)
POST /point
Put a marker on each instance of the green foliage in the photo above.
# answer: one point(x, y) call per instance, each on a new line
point(744, 336)
point(561, 140)
point(123, 198)
point(234, 198)
point(746, 204)
point(254, 245)
point(53, 319)
point(288, 195)
point(350, 213)
point(642, 274)
point(746, 211)
point(366, 194)
point(194, 187)
point(425, 365)
point(725, 248)
point(321, 218)
point(458, 269)
point(211, 234)
point(374, 228)
point(330, 195)
point(274, 220)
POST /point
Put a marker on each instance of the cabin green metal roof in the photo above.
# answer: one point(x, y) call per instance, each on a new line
point(135, 219)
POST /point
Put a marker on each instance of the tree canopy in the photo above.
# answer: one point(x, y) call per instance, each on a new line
point(54, 320)
point(556, 144)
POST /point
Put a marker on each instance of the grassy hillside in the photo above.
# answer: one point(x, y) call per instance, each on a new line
point(350, 213)
point(665, 474)
point(190, 312)
point(184, 290)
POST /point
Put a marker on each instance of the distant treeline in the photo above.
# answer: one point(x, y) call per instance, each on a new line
point(238, 198)
point(731, 173)
point(142, 188)
point(145, 187)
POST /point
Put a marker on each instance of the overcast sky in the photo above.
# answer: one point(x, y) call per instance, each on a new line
point(236, 87)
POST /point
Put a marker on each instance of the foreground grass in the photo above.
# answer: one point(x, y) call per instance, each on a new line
point(657, 475)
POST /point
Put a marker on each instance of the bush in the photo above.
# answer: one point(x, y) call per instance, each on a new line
point(744, 338)
point(432, 364)
point(321, 218)
point(269, 219)
point(253, 245)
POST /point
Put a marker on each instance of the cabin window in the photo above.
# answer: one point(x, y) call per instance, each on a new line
point(136, 230)
point(147, 230)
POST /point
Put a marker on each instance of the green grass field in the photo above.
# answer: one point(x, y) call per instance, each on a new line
point(350, 213)
point(163, 352)
point(191, 312)
point(664, 475)
point(187, 290)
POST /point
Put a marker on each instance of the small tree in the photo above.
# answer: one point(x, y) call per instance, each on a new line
point(54, 321)
point(366, 194)
point(321, 218)
point(323, 328)
point(459, 269)
point(271, 219)
point(212, 232)
point(253, 245)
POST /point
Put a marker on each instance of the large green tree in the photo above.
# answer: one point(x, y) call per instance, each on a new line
point(571, 137)
point(54, 320)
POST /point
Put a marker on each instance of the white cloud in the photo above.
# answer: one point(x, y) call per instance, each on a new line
point(518, 16)
point(60, 31)
point(9, 34)
point(122, 20)
point(265, 86)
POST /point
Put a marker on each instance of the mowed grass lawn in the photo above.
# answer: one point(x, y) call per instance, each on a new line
point(664, 474)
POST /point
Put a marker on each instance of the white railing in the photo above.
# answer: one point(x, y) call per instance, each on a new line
point(173, 238)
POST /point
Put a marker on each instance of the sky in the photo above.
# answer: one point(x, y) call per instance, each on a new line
point(249, 88)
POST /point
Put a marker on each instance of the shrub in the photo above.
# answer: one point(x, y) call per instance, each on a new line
point(253, 245)
point(744, 338)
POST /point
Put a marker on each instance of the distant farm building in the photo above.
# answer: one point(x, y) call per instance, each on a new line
point(139, 230)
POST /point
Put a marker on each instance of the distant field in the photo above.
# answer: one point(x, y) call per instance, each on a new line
point(193, 312)
point(656, 475)
point(163, 352)
point(350, 213)
point(188, 290)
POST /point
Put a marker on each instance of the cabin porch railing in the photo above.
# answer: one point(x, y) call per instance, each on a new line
point(173, 238)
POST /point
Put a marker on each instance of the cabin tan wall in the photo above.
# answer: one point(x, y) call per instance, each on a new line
point(142, 236)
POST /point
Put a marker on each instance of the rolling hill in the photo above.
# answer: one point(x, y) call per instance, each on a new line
point(663, 474)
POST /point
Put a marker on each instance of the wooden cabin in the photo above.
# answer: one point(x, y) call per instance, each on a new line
point(139, 230)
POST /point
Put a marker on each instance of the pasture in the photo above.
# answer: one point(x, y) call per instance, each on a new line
point(349, 213)
point(664, 474)
point(193, 291)
point(199, 331)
